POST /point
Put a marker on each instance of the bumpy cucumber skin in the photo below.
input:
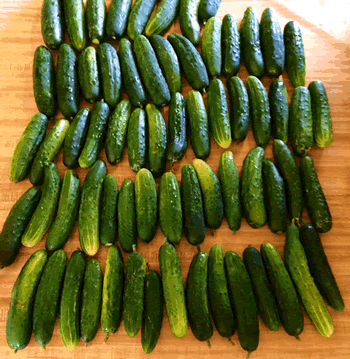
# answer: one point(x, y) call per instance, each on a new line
point(189, 21)
point(230, 45)
point(118, 14)
point(19, 319)
point(208, 9)
point(96, 16)
point(52, 23)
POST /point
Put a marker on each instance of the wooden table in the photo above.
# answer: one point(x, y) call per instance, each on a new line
point(326, 38)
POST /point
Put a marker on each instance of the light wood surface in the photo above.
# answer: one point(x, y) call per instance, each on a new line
point(326, 38)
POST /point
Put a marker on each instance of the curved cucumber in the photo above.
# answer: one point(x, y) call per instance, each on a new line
point(189, 21)
point(96, 16)
point(208, 9)
point(118, 14)
point(231, 46)
point(52, 23)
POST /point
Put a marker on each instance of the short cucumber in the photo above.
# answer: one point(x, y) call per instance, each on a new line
point(118, 14)
point(189, 20)
point(52, 23)
point(208, 9)
point(96, 16)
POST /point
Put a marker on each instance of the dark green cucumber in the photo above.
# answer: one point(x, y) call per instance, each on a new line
point(46, 209)
point(272, 44)
point(208, 9)
point(89, 77)
point(52, 23)
point(218, 113)
point(191, 62)
point(173, 290)
point(75, 138)
point(111, 77)
point(131, 78)
point(239, 103)
point(242, 297)
point(259, 111)
point(189, 21)
point(118, 14)
point(116, 132)
point(95, 136)
point(315, 200)
point(252, 188)
point(199, 125)
point(112, 292)
point(91, 301)
point(44, 82)
point(96, 16)
point(250, 40)
point(266, 303)
point(27, 147)
point(319, 267)
point(15, 225)
point(152, 317)
point(321, 116)
point(88, 221)
point(230, 45)
point(275, 197)
point(279, 110)
point(67, 81)
point(146, 204)
point(300, 121)
point(230, 185)
point(70, 301)
point(135, 269)
point(108, 224)
point(47, 297)
point(68, 206)
point(127, 216)
point(212, 194)
point(19, 318)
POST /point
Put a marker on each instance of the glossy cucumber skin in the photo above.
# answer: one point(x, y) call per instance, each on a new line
point(118, 14)
point(52, 23)
point(208, 9)
point(96, 16)
point(189, 21)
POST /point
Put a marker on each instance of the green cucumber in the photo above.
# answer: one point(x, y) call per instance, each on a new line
point(189, 21)
point(118, 14)
point(52, 23)
point(208, 9)
point(230, 45)
point(96, 16)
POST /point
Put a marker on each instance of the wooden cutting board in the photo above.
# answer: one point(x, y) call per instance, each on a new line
point(327, 59)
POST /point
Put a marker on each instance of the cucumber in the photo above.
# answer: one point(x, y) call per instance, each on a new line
point(290, 173)
point(44, 82)
point(250, 41)
point(189, 21)
point(173, 290)
point(229, 180)
point(15, 225)
point(52, 23)
point(27, 147)
point(218, 113)
point(95, 136)
point(230, 45)
point(259, 111)
point(239, 103)
point(137, 139)
point(252, 188)
point(117, 18)
point(112, 292)
point(242, 297)
point(279, 110)
point(321, 116)
point(116, 132)
point(300, 121)
point(315, 200)
point(152, 317)
point(191, 62)
point(199, 125)
point(88, 220)
point(131, 78)
point(67, 81)
point(146, 205)
point(47, 298)
point(170, 211)
point(262, 288)
point(75, 138)
point(48, 150)
point(290, 311)
point(19, 318)
point(108, 224)
point(46, 209)
point(275, 197)
point(68, 206)
point(91, 301)
point(212, 194)
point(96, 16)
point(208, 9)
point(272, 43)
point(127, 216)
point(135, 269)
point(219, 299)
point(297, 265)
point(74, 14)
point(70, 301)
point(89, 77)
point(294, 53)
point(319, 267)
point(111, 77)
